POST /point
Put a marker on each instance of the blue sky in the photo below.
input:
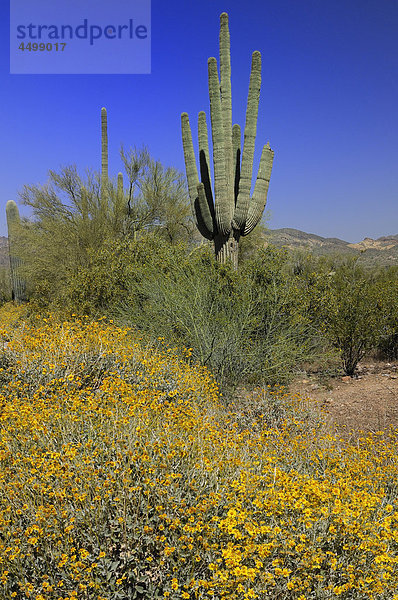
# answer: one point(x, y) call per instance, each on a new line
point(328, 106)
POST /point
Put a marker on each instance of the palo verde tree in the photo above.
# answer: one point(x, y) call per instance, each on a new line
point(156, 197)
point(83, 225)
point(229, 212)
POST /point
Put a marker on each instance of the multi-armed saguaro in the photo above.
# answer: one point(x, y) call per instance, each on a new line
point(230, 212)
point(13, 222)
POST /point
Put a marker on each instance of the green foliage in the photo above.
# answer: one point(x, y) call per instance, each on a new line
point(351, 311)
point(165, 196)
point(387, 294)
point(94, 247)
point(244, 326)
point(156, 197)
point(100, 283)
point(353, 308)
point(73, 249)
point(73, 233)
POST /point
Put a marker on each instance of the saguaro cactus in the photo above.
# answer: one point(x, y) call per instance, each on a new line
point(104, 155)
point(17, 282)
point(230, 212)
point(104, 163)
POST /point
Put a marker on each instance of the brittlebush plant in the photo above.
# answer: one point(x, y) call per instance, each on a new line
point(121, 476)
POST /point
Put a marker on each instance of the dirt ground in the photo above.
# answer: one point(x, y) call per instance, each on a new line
point(366, 403)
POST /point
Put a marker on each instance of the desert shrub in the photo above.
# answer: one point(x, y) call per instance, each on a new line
point(245, 326)
point(192, 301)
point(100, 283)
point(351, 312)
point(387, 294)
point(75, 229)
point(283, 327)
point(124, 477)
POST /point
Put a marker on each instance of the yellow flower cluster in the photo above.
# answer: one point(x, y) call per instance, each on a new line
point(122, 475)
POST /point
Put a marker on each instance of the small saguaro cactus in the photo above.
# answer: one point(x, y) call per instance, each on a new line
point(104, 163)
point(228, 213)
point(104, 154)
point(17, 282)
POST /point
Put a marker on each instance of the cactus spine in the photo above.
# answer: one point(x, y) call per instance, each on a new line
point(13, 222)
point(231, 213)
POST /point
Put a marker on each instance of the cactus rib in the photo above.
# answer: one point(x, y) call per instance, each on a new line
point(228, 213)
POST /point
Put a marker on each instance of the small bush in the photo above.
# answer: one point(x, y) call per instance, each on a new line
point(387, 294)
point(352, 313)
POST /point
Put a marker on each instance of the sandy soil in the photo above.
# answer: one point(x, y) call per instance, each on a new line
point(367, 403)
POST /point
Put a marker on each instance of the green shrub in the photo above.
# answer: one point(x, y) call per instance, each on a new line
point(245, 326)
point(75, 228)
point(351, 311)
point(387, 292)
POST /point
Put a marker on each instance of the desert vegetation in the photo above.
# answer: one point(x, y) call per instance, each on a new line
point(125, 474)
point(131, 463)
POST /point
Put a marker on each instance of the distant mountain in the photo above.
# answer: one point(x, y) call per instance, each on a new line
point(383, 251)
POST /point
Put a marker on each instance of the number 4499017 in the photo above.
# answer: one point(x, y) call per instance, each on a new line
point(35, 47)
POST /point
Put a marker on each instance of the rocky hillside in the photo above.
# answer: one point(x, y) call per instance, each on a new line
point(383, 251)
